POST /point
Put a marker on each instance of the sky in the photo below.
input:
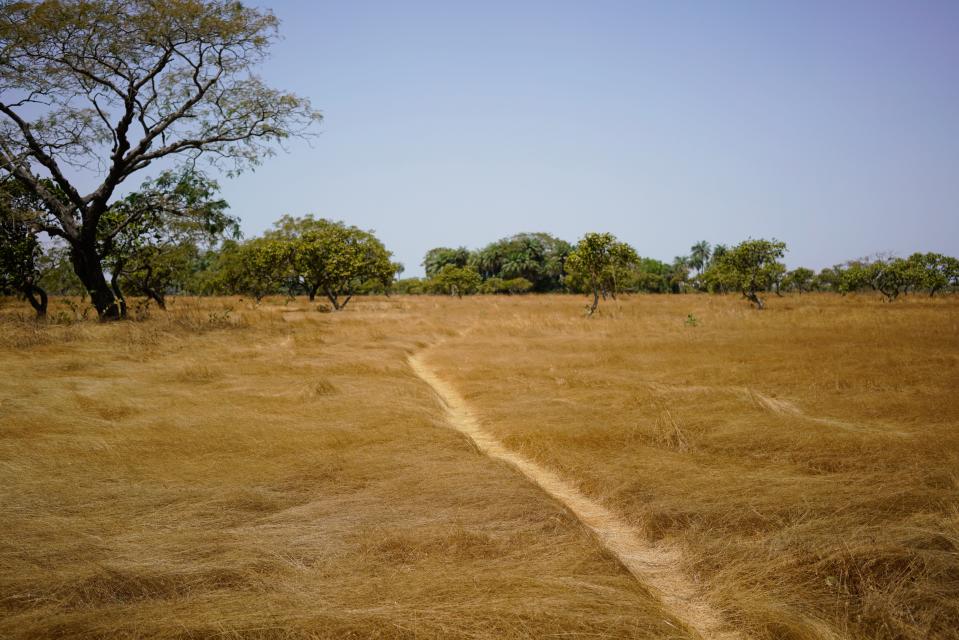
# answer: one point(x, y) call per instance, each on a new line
point(833, 126)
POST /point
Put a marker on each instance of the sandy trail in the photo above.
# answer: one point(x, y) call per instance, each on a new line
point(655, 566)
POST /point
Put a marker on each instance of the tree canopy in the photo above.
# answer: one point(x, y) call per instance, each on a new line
point(750, 267)
point(158, 231)
point(337, 259)
point(21, 252)
point(114, 86)
point(599, 260)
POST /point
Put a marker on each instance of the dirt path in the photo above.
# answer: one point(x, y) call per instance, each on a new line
point(655, 566)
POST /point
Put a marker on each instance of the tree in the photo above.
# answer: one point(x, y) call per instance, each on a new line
point(679, 274)
point(649, 275)
point(932, 271)
point(596, 260)
point(21, 253)
point(889, 276)
point(750, 267)
point(699, 255)
point(828, 279)
point(436, 259)
point(799, 279)
point(336, 259)
point(168, 220)
point(456, 281)
point(119, 84)
point(536, 257)
point(257, 267)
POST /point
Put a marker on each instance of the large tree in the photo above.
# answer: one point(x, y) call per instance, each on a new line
point(115, 85)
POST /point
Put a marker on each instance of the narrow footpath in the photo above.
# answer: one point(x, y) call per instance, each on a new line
point(655, 566)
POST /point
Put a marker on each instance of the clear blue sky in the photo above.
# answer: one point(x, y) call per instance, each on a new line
point(831, 125)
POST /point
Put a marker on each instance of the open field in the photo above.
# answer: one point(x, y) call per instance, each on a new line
point(274, 472)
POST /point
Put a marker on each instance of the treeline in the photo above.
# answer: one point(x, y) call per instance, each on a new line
point(540, 262)
point(175, 236)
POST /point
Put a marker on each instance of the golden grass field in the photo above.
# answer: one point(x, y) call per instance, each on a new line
point(225, 470)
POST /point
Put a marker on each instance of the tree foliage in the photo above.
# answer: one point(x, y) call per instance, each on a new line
point(799, 279)
point(750, 267)
point(155, 234)
point(21, 253)
point(456, 281)
point(337, 259)
point(439, 257)
point(599, 260)
point(535, 257)
point(114, 86)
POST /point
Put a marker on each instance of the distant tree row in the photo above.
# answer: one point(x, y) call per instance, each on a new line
point(601, 266)
point(175, 236)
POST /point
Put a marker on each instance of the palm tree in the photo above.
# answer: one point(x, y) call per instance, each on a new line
point(699, 256)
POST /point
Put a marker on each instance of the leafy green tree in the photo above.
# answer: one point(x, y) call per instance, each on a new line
point(597, 260)
point(152, 237)
point(257, 267)
point(456, 281)
point(799, 279)
point(648, 275)
point(337, 259)
point(889, 276)
point(536, 257)
point(932, 271)
point(121, 85)
point(440, 257)
point(750, 267)
point(21, 253)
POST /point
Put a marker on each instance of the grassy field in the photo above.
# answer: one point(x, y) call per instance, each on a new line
point(275, 472)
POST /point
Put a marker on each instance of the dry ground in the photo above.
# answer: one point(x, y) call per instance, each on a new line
point(278, 472)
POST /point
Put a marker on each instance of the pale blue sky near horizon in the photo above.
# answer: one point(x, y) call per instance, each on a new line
point(831, 125)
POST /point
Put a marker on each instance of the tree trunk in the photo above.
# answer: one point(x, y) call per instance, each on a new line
point(89, 269)
point(755, 299)
point(115, 286)
point(312, 292)
point(37, 298)
point(156, 296)
point(592, 307)
point(335, 300)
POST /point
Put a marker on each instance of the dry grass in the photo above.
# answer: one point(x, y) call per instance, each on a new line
point(806, 457)
point(275, 472)
point(272, 472)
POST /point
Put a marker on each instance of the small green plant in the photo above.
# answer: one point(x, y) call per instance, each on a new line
point(691, 320)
